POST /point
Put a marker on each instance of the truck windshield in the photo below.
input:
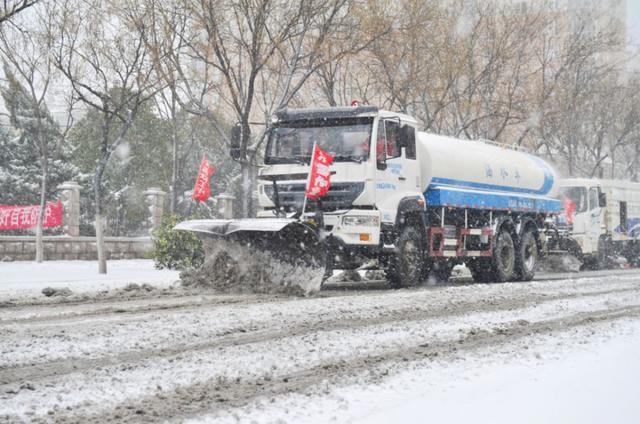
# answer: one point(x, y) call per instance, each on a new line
point(345, 139)
point(577, 195)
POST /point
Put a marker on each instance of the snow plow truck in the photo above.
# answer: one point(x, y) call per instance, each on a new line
point(410, 203)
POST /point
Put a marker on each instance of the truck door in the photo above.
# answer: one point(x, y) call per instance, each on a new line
point(577, 196)
point(397, 174)
point(595, 217)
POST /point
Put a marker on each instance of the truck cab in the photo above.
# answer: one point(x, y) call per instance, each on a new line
point(375, 171)
point(584, 214)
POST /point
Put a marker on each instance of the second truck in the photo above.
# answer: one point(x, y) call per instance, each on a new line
point(410, 203)
point(600, 222)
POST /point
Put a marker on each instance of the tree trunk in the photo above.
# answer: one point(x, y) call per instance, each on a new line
point(102, 260)
point(245, 168)
point(41, 212)
point(636, 161)
point(174, 171)
point(570, 161)
point(174, 157)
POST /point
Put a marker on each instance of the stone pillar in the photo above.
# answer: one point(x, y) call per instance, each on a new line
point(70, 198)
point(154, 198)
point(225, 205)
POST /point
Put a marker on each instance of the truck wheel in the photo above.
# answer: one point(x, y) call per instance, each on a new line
point(526, 256)
point(328, 265)
point(601, 259)
point(481, 270)
point(441, 272)
point(504, 257)
point(406, 266)
point(634, 258)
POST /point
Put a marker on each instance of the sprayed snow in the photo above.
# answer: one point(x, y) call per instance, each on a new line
point(232, 267)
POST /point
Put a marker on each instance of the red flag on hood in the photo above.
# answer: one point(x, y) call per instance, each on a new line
point(319, 177)
point(202, 191)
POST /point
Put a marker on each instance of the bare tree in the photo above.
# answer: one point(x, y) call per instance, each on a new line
point(575, 124)
point(101, 51)
point(10, 8)
point(189, 82)
point(263, 53)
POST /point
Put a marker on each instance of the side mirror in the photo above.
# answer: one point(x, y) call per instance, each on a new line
point(236, 135)
point(382, 165)
point(602, 199)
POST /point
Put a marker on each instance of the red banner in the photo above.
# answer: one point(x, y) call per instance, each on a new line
point(319, 178)
point(202, 191)
point(24, 217)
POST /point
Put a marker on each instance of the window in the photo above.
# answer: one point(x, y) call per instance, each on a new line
point(623, 217)
point(410, 141)
point(594, 202)
point(388, 134)
point(346, 139)
point(577, 196)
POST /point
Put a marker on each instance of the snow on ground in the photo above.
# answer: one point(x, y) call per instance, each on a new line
point(573, 377)
point(544, 351)
point(594, 384)
point(27, 279)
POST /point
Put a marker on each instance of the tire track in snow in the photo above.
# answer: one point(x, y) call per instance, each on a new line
point(240, 336)
point(221, 394)
point(251, 331)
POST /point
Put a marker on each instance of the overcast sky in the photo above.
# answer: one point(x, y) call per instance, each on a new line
point(633, 20)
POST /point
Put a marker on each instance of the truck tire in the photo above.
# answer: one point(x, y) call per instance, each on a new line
point(634, 255)
point(481, 270)
point(602, 255)
point(504, 257)
point(526, 256)
point(328, 265)
point(441, 272)
point(406, 267)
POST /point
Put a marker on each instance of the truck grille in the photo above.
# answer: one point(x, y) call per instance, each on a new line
point(340, 196)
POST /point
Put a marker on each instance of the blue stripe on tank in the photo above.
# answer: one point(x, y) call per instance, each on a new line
point(443, 196)
point(547, 184)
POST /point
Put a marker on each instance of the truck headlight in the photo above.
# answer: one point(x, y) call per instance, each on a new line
point(360, 221)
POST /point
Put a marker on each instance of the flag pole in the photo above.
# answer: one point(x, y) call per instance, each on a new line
point(304, 202)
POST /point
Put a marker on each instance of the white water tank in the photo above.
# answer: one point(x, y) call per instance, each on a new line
point(476, 165)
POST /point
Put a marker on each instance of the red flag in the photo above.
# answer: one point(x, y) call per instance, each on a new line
point(23, 217)
point(202, 191)
point(319, 177)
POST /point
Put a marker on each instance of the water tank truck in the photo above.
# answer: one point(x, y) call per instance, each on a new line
point(413, 203)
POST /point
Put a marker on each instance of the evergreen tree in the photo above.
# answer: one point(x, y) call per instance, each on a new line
point(143, 160)
point(20, 164)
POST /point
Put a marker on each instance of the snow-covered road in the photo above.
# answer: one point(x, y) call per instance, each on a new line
point(498, 352)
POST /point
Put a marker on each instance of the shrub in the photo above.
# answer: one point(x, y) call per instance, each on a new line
point(176, 249)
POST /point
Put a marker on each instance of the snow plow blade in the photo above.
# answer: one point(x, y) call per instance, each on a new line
point(225, 227)
point(263, 255)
